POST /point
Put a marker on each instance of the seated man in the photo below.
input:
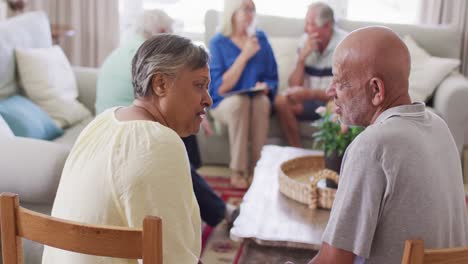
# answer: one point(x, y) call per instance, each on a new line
point(312, 73)
point(114, 88)
point(394, 184)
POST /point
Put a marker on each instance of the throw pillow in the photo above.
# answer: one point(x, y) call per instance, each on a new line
point(5, 130)
point(48, 80)
point(285, 50)
point(427, 72)
point(28, 120)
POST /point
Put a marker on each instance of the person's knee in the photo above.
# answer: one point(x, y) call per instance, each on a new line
point(298, 109)
point(281, 102)
point(262, 104)
point(239, 105)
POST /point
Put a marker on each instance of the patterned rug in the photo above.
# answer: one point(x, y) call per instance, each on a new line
point(217, 247)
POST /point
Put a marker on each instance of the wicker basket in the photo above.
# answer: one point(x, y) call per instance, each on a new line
point(295, 181)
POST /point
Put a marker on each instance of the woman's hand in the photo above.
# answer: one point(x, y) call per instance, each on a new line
point(251, 47)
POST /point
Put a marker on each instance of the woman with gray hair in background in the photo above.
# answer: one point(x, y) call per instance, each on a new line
point(114, 79)
point(130, 162)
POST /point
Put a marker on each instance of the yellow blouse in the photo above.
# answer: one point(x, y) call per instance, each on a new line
point(120, 171)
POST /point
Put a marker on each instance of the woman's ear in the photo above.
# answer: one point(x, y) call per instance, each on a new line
point(377, 91)
point(159, 84)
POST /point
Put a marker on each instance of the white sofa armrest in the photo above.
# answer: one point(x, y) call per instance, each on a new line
point(450, 102)
point(31, 168)
point(86, 79)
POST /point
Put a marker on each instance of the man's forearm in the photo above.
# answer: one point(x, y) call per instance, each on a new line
point(297, 76)
point(316, 94)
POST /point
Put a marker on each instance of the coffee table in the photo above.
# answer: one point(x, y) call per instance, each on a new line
point(272, 219)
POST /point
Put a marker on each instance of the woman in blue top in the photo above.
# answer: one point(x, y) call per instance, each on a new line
point(241, 60)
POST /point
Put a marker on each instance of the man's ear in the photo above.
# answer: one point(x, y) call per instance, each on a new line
point(377, 91)
point(159, 84)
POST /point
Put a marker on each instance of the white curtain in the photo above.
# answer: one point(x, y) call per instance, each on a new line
point(449, 12)
point(95, 24)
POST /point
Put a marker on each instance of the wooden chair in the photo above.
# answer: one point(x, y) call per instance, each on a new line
point(17, 222)
point(415, 253)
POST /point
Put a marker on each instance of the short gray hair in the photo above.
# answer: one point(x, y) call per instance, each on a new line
point(324, 13)
point(167, 54)
point(152, 22)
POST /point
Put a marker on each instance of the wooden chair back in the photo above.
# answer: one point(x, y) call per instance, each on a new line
point(17, 222)
point(415, 253)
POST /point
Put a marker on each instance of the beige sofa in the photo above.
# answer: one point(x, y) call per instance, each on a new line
point(449, 100)
point(32, 167)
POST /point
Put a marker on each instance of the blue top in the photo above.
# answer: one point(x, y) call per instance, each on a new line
point(260, 68)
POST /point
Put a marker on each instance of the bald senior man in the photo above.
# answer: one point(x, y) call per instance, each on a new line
point(401, 177)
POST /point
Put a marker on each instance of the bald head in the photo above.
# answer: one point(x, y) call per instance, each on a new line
point(378, 52)
point(371, 66)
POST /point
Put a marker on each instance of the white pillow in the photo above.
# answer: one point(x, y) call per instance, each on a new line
point(48, 80)
point(5, 130)
point(285, 50)
point(427, 72)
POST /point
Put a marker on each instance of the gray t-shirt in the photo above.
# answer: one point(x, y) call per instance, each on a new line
point(401, 179)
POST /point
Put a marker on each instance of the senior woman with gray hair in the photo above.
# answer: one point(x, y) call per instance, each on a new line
point(114, 88)
point(130, 162)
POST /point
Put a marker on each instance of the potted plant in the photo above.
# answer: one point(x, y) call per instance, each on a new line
point(333, 137)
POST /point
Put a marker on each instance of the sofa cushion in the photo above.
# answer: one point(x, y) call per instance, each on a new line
point(49, 81)
point(71, 134)
point(5, 130)
point(32, 168)
point(427, 72)
point(28, 120)
point(285, 50)
point(31, 30)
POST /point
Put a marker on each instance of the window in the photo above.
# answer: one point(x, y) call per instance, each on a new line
point(189, 15)
point(388, 11)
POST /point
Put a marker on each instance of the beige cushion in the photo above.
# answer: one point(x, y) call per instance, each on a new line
point(285, 50)
point(49, 81)
point(427, 71)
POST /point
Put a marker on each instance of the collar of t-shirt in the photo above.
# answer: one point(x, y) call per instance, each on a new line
point(412, 110)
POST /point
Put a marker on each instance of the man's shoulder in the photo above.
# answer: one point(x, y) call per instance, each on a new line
point(338, 35)
point(366, 139)
point(339, 32)
point(372, 138)
point(394, 131)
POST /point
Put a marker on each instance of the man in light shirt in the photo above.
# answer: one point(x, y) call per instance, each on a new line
point(401, 178)
point(312, 72)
